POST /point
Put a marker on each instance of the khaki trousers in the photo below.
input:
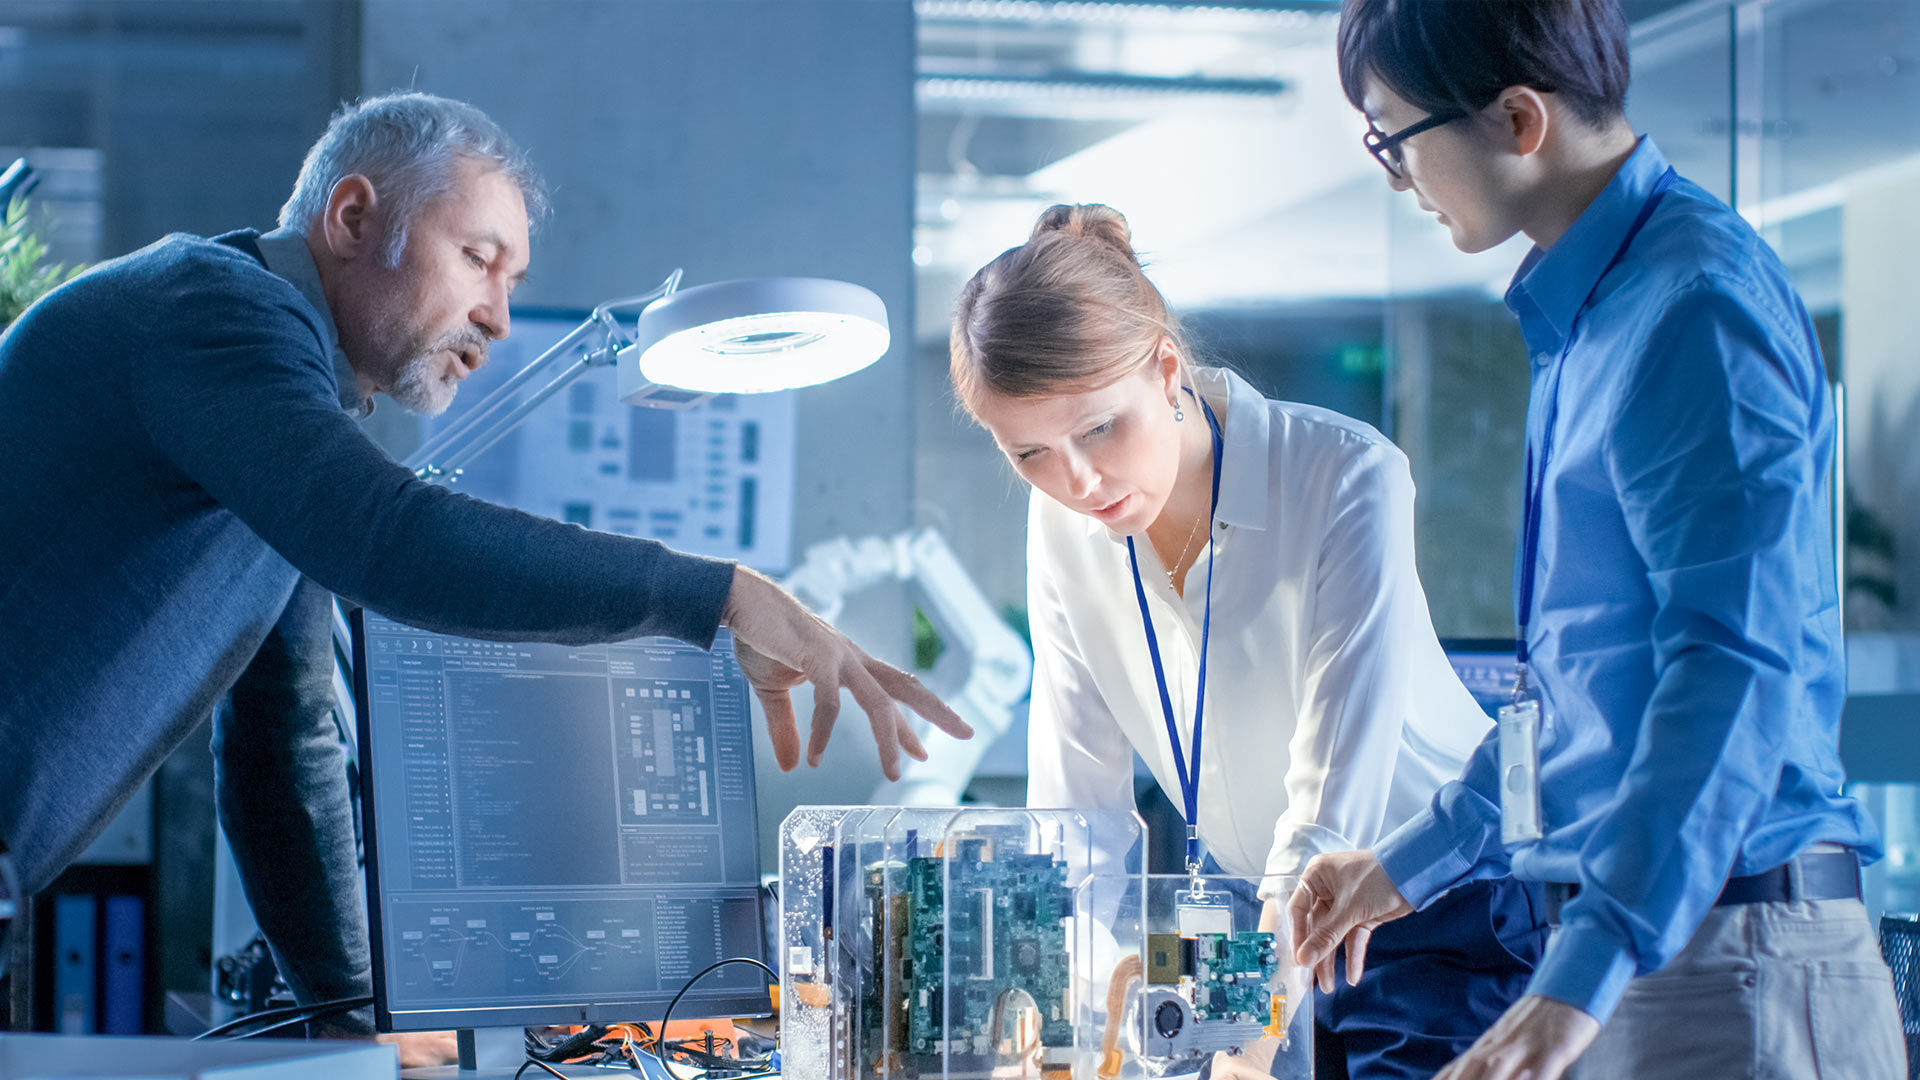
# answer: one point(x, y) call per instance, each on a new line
point(1774, 991)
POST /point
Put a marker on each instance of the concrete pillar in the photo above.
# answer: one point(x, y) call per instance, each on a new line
point(735, 138)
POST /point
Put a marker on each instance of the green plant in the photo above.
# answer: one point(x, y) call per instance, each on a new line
point(927, 645)
point(24, 275)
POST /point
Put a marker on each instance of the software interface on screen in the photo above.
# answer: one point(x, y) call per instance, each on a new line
point(558, 824)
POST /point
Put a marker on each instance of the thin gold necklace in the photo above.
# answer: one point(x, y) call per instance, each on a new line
point(1174, 568)
point(1188, 546)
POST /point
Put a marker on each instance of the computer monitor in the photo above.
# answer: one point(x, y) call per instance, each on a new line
point(555, 833)
point(1486, 667)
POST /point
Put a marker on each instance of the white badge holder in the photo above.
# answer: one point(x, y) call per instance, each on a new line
point(1199, 910)
point(1519, 725)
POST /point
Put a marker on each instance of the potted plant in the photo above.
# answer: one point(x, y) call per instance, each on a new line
point(25, 275)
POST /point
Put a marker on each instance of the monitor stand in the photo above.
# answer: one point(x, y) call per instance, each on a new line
point(491, 1048)
point(485, 1054)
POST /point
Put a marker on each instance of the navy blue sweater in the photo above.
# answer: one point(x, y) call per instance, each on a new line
point(173, 457)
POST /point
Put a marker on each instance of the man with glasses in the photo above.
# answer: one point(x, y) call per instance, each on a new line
point(1670, 765)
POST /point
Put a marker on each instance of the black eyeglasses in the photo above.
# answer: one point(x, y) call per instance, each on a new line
point(1385, 148)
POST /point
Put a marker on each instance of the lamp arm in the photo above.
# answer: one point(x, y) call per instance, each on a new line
point(456, 444)
point(457, 432)
point(498, 429)
point(604, 313)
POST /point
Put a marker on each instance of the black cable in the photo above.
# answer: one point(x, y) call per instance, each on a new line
point(659, 1044)
point(570, 1046)
point(322, 1008)
point(317, 1012)
point(542, 1064)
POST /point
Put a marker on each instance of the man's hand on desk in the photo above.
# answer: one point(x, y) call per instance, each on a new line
point(422, 1048)
point(781, 645)
point(1538, 1038)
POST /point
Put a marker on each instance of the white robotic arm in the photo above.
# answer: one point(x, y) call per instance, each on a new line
point(983, 673)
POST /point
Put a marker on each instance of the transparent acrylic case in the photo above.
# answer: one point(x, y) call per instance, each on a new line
point(950, 943)
point(1212, 973)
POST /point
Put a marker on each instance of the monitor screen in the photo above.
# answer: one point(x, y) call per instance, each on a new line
point(1486, 667)
point(555, 833)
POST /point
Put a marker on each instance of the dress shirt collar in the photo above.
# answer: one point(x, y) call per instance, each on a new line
point(1553, 283)
point(1244, 457)
point(286, 255)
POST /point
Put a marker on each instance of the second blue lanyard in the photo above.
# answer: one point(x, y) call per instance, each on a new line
point(1187, 767)
point(1537, 469)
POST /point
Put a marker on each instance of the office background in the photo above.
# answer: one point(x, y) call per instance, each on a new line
point(902, 144)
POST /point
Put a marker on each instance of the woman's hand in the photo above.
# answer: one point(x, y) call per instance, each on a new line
point(1342, 898)
point(1253, 1062)
point(1292, 979)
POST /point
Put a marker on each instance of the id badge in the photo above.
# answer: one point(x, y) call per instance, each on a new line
point(1519, 725)
point(1203, 911)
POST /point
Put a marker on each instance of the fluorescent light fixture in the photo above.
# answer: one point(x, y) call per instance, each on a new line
point(753, 336)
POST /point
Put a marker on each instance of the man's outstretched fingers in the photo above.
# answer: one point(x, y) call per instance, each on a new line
point(910, 742)
point(781, 727)
point(909, 691)
point(882, 714)
point(826, 708)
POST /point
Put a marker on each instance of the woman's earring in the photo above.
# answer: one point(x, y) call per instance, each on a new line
point(1178, 415)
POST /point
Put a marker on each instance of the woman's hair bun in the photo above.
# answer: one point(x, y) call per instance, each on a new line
point(1094, 221)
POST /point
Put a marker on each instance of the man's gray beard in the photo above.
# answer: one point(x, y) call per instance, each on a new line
point(414, 389)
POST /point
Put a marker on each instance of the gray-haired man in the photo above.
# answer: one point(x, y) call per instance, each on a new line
point(184, 487)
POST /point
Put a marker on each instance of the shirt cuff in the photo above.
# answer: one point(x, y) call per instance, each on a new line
point(1421, 859)
point(1292, 850)
point(1586, 968)
point(1297, 844)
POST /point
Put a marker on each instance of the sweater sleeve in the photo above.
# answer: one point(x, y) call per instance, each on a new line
point(241, 399)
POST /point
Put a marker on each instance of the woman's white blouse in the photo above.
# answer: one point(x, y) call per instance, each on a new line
point(1332, 713)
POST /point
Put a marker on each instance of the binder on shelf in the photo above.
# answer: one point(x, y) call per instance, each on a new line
point(124, 964)
point(74, 968)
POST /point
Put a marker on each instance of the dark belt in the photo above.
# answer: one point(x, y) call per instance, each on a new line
point(1812, 875)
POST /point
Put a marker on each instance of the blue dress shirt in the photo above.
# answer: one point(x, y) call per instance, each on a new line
point(1686, 629)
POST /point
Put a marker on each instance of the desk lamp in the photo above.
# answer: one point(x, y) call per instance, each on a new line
point(749, 336)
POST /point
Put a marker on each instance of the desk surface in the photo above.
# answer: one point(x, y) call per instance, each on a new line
point(650, 1071)
point(114, 1057)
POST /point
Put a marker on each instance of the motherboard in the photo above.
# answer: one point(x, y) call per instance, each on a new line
point(956, 963)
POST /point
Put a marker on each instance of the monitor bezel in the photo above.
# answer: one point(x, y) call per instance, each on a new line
point(1479, 646)
point(640, 1008)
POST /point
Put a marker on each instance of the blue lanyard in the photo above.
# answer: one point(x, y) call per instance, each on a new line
point(1189, 770)
point(1536, 470)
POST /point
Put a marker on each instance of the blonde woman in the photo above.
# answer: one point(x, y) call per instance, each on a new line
point(1225, 585)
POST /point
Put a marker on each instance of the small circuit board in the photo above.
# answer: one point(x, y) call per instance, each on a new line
point(1232, 976)
point(1207, 992)
point(1224, 976)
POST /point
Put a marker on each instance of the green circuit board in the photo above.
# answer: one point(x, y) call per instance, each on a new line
point(1232, 976)
point(981, 925)
point(1227, 976)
